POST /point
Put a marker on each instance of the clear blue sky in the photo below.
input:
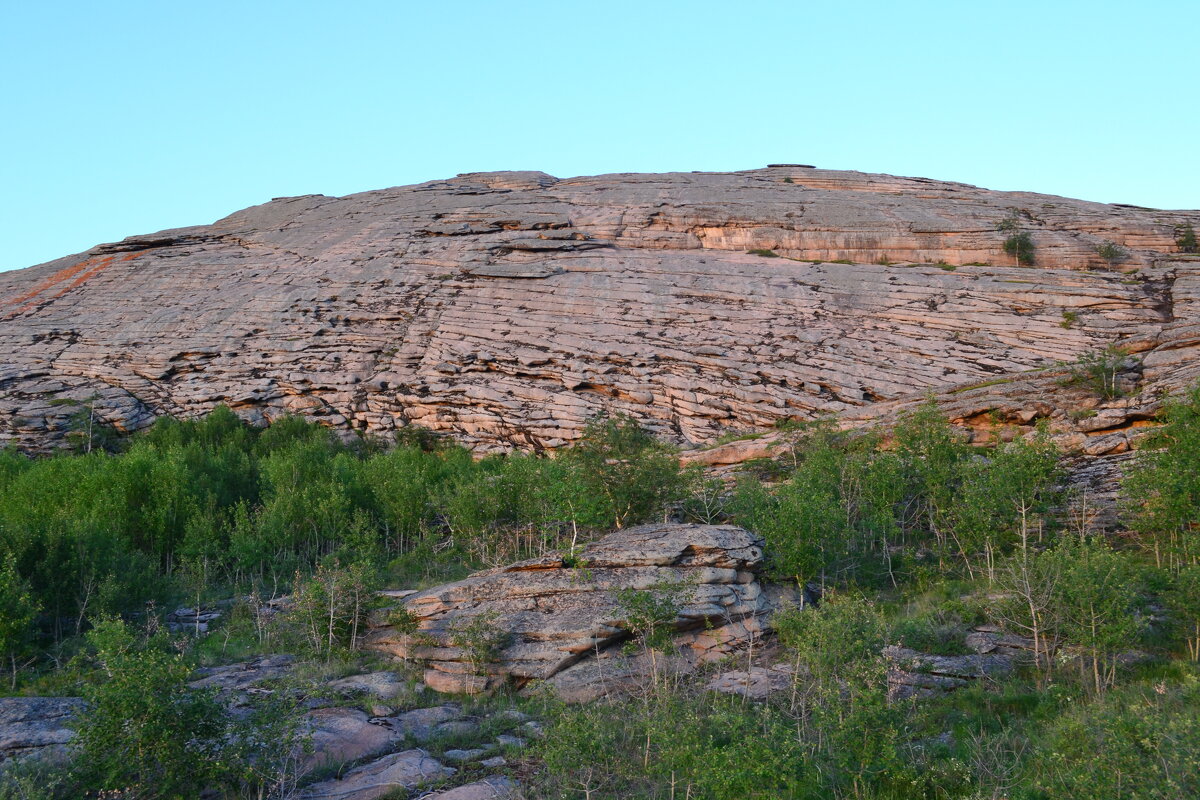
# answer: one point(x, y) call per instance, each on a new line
point(119, 118)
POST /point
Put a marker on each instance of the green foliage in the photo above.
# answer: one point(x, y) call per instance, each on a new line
point(1079, 592)
point(481, 639)
point(1185, 238)
point(832, 518)
point(1112, 252)
point(765, 253)
point(843, 634)
point(671, 746)
point(1069, 318)
point(331, 607)
point(852, 513)
point(650, 614)
point(1020, 247)
point(145, 730)
point(215, 502)
point(17, 612)
point(627, 474)
point(1161, 494)
point(1140, 743)
point(999, 498)
point(1182, 599)
point(1100, 371)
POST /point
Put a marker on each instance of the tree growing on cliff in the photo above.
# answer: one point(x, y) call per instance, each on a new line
point(1185, 238)
point(1019, 243)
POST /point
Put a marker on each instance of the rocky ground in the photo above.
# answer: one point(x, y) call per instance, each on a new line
point(421, 726)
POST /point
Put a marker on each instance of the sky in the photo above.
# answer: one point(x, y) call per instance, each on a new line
point(120, 118)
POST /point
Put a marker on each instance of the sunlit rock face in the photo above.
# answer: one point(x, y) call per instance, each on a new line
point(507, 308)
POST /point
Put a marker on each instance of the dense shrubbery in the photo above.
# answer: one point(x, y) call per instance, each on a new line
point(853, 512)
point(940, 534)
point(215, 502)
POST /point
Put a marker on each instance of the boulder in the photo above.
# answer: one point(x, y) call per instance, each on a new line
point(405, 770)
point(345, 734)
point(505, 311)
point(547, 614)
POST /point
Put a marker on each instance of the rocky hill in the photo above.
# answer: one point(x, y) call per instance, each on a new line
point(506, 308)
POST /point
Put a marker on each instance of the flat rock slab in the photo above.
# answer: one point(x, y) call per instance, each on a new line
point(914, 674)
point(345, 734)
point(494, 788)
point(247, 674)
point(382, 685)
point(405, 770)
point(757, 683)
point(36, 727)
point(552, 613)
point(420, 723)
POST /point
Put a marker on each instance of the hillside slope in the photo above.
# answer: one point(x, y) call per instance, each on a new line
point(506, 308)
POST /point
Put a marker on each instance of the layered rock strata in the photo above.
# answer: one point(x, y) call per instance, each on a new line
point(506, 308)
point(545, 615)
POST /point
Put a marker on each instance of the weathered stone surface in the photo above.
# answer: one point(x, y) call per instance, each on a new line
point(756, 683)
point(420, 723)
point(914, 674)
point(494, 788)
point(507, 307)
point(36, 727)
point(382, 685)
point(555, 615)
point(345, 734)
point(236, 677)
point(406, 770)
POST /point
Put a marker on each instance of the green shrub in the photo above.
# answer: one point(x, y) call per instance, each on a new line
point(629, 475)
point(1112, 252)
point(765, 253)
point(1140, 743)
point(1100, 371)
point(1161, 493)
point(1020, 246)
point(1019, 243)
point(1185, 238)
point(145, 730)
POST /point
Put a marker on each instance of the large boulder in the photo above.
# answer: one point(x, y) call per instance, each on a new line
point(547, 614)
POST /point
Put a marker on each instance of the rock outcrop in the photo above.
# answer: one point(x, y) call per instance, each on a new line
point(37, 727)
point(542, 616)
point(505, 308)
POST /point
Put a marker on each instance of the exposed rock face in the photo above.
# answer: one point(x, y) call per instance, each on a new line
point(508, 307)
point(913, 674)
point(405, 770)
point(548, 615)
point(37, 727)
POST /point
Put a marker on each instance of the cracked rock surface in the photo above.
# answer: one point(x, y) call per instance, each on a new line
point(554, 615)
point(506, 308)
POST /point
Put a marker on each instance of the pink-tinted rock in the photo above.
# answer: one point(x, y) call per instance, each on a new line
point(506, 308)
